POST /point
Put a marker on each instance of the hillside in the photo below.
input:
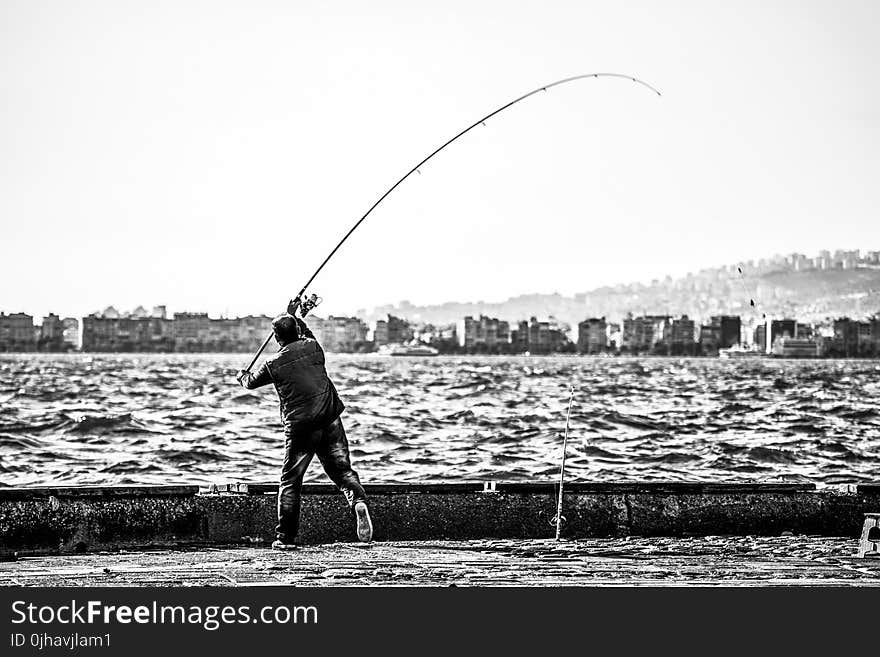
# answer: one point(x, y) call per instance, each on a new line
point(811, 295)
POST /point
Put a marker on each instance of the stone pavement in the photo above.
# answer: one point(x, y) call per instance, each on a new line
point(711, 561)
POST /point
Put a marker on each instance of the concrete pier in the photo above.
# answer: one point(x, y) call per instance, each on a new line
point(658, 561)
point(70, 520)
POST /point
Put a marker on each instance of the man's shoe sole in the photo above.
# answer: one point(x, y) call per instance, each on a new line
point(278, 545)
point(364, 523)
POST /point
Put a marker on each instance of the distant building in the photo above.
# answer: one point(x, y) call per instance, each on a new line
point(805, 332)
point(115, 334)
point(100, 333)
point(847, 259)
point(140, 331)
point(221, 335)
point(392, 330)
point(614, 336)
point(444, 338)
point(777, 329)
point(592, 336)
point(112, 331)
point(191, 332)
point(17, 332)
point(51, 333)
point(538, 337)
point(852, 338)
point(781, 328)
point(866, 343)
point(730, 330)
point(250, 331)
point(759, 337)
point(431, 334)
point(799, 262)
point(679, 337)
point(722, 332)
point(239, 334)
point(641, 334)
point(709, 339)
point(845, 340)
point(786, 347)
point(483, 335)
point(343, 334)
point(70, 333)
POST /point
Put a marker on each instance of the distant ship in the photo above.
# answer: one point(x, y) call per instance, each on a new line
point(408, 350)
point(739, 351)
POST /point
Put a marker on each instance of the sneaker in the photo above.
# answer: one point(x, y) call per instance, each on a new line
point(364, 524)
point(281, 545)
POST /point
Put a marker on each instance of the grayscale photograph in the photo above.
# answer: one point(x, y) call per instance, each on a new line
point(460, 294)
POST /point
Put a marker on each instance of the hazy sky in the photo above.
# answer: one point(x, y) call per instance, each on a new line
point(207, 155)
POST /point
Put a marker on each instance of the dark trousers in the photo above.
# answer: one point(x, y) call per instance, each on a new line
point(331, 446)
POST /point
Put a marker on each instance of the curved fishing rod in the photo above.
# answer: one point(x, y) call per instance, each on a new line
point(298, 301)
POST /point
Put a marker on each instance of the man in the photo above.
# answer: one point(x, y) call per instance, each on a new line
point(310, 409)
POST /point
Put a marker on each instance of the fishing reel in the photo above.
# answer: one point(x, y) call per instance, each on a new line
point(306, 305)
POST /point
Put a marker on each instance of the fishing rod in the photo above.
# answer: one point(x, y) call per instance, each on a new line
point(559, 519)
point(306, 305)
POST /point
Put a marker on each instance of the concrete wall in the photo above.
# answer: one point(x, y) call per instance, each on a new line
point(76, 519)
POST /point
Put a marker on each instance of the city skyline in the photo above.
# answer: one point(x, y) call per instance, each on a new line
point(821, 260)
point(665, 335)
point(683, 332)
point(157, 159)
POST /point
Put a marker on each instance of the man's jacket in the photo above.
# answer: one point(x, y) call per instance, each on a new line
point(307, 395)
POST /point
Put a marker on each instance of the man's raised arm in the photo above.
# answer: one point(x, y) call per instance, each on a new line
point(304, 330)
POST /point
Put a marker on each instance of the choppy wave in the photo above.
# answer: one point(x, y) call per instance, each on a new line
point(182, 418)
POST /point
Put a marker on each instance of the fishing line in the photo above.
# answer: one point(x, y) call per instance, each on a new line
point(742, 279)
point(751, 297)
